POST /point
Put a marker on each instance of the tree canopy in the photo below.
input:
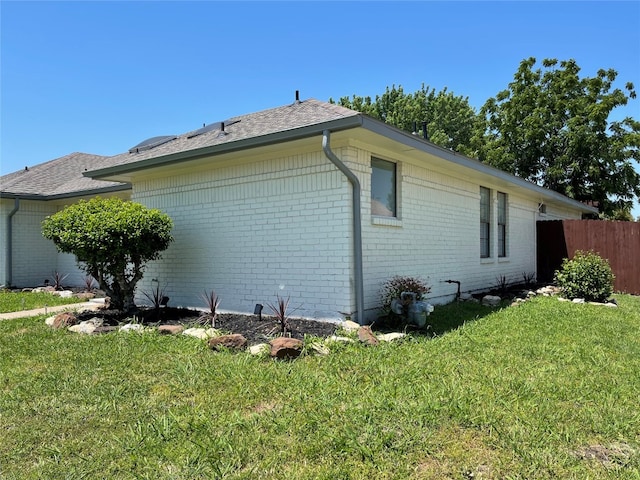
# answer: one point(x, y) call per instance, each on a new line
point(449, 119)
point(112, 240)
point(554, 128)
point(550, 126)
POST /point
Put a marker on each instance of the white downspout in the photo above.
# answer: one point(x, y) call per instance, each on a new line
point(9, 252)
point(357, 223)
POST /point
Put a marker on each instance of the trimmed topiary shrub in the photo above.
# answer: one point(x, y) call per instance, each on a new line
point(586, 275)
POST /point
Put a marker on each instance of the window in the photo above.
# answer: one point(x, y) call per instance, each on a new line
point(502, 224)
point(383, 188)
point(485, 222)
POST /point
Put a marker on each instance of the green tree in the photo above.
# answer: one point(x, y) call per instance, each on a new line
point(553, 127)
point(112, 240)
point(451, 122)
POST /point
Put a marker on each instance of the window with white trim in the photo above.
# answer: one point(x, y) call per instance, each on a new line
point(383, 188)
point(502, 224)
point(485, 222)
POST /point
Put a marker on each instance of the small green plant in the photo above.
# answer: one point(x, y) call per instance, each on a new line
point(586, 275)
point(212, 301)
point(58, 278)
point(395, 286)
point(281, 312)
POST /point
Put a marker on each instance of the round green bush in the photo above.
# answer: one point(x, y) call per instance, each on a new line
point(586, 275)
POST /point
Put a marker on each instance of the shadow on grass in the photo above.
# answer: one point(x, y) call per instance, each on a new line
point(443, 319)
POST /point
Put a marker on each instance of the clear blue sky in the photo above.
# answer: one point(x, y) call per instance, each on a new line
point(99, 77)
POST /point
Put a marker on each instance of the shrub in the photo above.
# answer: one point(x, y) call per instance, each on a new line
point(586, 275)
point(112, 240)
point(397, 284)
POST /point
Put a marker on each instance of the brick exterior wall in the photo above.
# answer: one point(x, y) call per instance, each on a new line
point(275, 226)
point(276, 223)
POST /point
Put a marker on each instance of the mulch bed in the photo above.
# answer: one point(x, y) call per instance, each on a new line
point(255, 330)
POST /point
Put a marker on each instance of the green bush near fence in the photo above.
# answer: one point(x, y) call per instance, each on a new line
point(586, 275)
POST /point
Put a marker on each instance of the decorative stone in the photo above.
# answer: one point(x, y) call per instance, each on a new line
point(578, 300)
point(132, 327)
point(170, 329)
point(339, 339)
point(390, 337)
point(201, 333)
point(491, 300)
point(285, 347)
point(64, 320)
point(366, 336)
point(259, 349)
point(465, 297)
point(49, 320)
point(85, 295)
point(234, 341)
point(319, 348)
point(64, 293)
point(350, 326)
point(82, 328)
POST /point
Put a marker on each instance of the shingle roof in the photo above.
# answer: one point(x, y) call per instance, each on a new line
point(275, 120)
point(64, 176)
point(60, 177)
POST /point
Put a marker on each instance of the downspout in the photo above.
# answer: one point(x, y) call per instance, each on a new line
point(9, 252)
point(357, 223)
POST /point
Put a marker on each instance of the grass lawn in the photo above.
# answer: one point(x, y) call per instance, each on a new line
point(11, 301)
point(527, 392)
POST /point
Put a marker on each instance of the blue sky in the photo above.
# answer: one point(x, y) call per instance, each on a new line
point(99, 77)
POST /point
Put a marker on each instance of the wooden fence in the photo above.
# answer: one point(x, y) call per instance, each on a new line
point(618, 242)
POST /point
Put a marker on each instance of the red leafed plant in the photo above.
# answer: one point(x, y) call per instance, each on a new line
point(280, 311)
point(212, 300)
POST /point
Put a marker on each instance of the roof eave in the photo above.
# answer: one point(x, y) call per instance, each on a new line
point(419, 143)
point(62, 196)
point(229, 147)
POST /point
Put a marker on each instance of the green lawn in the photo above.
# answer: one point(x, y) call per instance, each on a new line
point(11, 301)
point(520, 393)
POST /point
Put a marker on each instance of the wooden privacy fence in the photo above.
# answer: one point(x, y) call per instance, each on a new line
point(618, 242)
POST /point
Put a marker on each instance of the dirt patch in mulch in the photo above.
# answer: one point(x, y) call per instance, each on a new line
point(254, 329)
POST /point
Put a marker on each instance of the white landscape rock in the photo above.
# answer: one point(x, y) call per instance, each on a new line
point(339, 339)
point(390, 337)
point(132, 327)
point(491, 300)
point(201, 333)
point(87, 327)
point(350, 326)
point(49, 320)
point(259, 349)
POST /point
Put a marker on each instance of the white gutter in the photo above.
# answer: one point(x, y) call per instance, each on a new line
point(9, 252)
point(357, 224)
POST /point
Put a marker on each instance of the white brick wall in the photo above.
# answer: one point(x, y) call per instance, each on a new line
point(274, 226)
point(34, 257)
point(436, 235)
point(282, 225)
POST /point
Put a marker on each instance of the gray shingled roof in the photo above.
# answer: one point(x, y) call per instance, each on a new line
point(58, 178)
point(79, 172)
point(276, 120)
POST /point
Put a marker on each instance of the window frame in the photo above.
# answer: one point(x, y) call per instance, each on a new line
point(485, 222)
point(385, 166)
point(502, 223)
